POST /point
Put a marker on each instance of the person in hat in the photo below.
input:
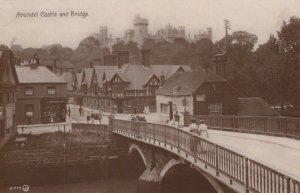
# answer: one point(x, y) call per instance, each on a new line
point(203, 128)
point(193, 128)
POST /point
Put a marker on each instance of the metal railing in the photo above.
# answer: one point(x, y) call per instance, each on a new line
point(278, 126)
point(255, 177)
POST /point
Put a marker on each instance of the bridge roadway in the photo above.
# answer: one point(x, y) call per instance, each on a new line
point(272, 160)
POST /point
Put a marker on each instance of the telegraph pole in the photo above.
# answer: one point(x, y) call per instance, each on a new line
point(227, 26)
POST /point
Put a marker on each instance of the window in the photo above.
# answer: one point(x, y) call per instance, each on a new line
point(28, 91)
point(51, 90)
point(200, 97)
point(7, 97)
point(29, 110)
point(164, 108)
point(215, 108)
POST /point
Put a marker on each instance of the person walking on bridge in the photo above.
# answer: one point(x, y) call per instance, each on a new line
point(193, 128)
point(176, 119)
point(203, 128)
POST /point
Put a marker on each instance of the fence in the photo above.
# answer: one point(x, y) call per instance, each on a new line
point(256, 177)
point(278, 126)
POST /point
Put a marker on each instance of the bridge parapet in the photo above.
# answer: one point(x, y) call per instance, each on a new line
point(227, 166)
point(277, 126)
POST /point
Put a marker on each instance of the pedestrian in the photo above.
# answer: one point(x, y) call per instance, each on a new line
point(203, 128)
point(193, 128)
point(176, 119)
point(69, 111)
point(79, 111)
point(92, 116)
point(88, 118)
point(100, 117)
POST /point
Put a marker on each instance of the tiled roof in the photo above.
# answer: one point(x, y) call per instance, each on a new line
point(88, 74)
point(68, 77)
point(136, 75)
point(168, 70)
point(255, 106)
point(100, 70)
point(39, 74)
point(79, 79)
point(187, 82)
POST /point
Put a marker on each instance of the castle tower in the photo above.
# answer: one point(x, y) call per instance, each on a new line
point(140, 29)
point(103, 37)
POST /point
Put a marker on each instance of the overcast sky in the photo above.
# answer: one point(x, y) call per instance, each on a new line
point(260, 17)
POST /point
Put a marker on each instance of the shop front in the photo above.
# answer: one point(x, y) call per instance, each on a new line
point(53, 110)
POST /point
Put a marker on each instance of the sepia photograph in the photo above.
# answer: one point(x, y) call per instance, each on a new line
point(150, 96)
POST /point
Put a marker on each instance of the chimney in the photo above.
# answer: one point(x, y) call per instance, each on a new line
point(145, 57)
point(91, 64)
point(219, 62)
point(123, 58)
point(34, 62)
point(110, 60)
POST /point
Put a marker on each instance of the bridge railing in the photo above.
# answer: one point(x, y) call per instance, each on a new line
point(253, 175)
point(278, 126)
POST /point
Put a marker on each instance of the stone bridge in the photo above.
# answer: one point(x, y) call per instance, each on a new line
point(162, 147)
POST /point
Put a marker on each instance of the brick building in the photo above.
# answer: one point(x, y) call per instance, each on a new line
point(41, 95)
point(8, 89)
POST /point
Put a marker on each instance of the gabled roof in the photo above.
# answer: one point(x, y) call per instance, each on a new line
point(255, 106)
point(87, 76)
point(168, 70)
point(38, 74)
point(100, 71)
point(68, 77)
point(8, 74)
point(137, 75)
point(78, 77)
point(187, 82)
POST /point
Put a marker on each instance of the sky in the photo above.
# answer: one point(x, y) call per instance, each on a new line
point(259, 17)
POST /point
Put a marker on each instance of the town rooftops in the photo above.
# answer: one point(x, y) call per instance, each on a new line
point(38, 74)
point(68, 77)
point(87, 76)
point(255, 106)
point(187, 82)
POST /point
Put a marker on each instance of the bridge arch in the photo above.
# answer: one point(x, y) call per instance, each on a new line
point(167, 167)
point(172, 163)
point(138, 149)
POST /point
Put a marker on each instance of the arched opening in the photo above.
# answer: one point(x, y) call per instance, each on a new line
point(136, 162)
point(182, 178)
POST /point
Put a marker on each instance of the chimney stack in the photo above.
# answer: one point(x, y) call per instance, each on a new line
point(145, 57)
point(123, 58)
point(34, 61)
point(219, 62)
point(162, 79)
point(110, 60)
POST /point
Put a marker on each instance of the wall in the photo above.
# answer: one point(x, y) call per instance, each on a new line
point(176, 100)
point(39, 91)
point(7, 114)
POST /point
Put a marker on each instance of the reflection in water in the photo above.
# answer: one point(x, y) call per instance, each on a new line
point(179, 179)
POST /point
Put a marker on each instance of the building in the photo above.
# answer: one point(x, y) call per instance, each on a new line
point(41, 95)
point(129, 35)
point(199, 93)
point(170, 33)
point(126, 87)
point(204, 35)
point(103, 39)
point(8, 89)
point(140, 29)
point(207, 92)
point(70, 79)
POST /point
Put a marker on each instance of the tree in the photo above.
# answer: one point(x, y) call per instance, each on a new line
point(279, 63)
